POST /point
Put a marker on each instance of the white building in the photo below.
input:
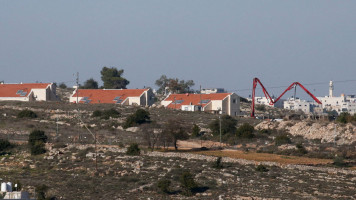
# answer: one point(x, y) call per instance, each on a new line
point(28, 92)
point(339, 104)
point(298, 104)
point(218, 103)
point(265, 101)
point(212, 90)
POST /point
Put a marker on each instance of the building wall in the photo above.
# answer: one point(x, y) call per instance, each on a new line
point(234, 108)
point(298, 105)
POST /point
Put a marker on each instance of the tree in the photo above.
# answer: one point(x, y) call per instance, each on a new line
point(5, 144)
point(36, 141)
point(62, 85)
point(344, 118)
point(163, 185)
point(27, 114)
point(245, 131)
point(41, 191)
point(90, 84)
point(187, 183)
point(174, 85)
point(195, 131)
point(133, 150)
point(113, 79)
point(139, 117)
point(176, 131)
point(150, 135)
point(228, 125)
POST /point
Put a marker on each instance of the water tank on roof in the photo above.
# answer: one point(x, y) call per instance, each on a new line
point(9, 187)
point(3, 187)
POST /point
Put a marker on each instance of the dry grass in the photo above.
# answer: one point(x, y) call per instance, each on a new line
point(267, 157)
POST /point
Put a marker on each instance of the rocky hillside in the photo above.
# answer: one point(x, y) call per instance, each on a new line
point(327, 132)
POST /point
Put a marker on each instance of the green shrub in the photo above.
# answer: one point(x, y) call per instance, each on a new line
point(228, 125)
point(133, 150)
point(195, 131)
point(139, 117)
point(27, 114)
point(282, 139)
point(187, 183)
point(163, 185)
point(5, 144)
point(245, 131)
point(106, 114)
point(261, 168)
point(38, 148)
point(36, 141)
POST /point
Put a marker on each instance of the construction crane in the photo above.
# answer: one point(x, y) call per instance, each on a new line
point(271, 101)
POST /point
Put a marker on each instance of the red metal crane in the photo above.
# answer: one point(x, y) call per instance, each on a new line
point(271, 101)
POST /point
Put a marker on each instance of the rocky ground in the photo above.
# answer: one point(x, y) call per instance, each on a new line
point(69, 170)
point(70, 173)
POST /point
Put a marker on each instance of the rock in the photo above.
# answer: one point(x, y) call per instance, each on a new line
point(133, 129)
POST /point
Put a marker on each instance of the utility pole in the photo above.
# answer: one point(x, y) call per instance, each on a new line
point(77, 91)
point(201, 107)
point(220, 129)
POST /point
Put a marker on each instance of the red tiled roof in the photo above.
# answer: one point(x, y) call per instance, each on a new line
point(194, 99)
point(107, 95)
point(10, 90)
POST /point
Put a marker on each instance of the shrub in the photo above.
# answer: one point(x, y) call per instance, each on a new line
point(133, 150)
point(27, 114)
point(36, 141)
point(282, 139)
point(245, 131)
point(339, 162)
point(300, 148)
point(261, 168)
point(62, 86)
point(164, 185)
point(38, 148)
point(187, 183)
point(228, 125)
point(41, 191)
point(5, 144)
point(139, 117)
point(106, 114)
point(217, 164)
point(195, 131)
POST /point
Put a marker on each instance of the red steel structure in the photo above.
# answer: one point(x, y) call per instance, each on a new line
point(271, 101)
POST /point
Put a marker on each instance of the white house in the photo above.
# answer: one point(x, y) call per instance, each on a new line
point(28, 92)
point(298, 104)
point(219, 103)
point(141, 97)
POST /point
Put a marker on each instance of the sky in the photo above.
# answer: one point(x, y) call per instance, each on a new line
point(218, 44)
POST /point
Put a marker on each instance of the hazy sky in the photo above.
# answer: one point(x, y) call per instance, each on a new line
point(215, 43)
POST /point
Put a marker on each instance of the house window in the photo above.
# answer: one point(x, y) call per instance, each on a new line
point(234, 101)
point(186, 108)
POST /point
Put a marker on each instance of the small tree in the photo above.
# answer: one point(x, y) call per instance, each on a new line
point(218, 164)
point(282, 139)
point(27, 114)
point(62, 85)
point(5, 144)
point(36, 141)
point(261, 168)
point(164, 185)
point(176, 131)
point(344, 118)
point(90, 84)
point(150, 135)
point(195, 131)
point(139, 117)
point(133, 150)
point(245, 131)
point(228, 125)
point(187, 183)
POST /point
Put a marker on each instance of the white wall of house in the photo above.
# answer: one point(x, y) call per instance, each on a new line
point(191, 108)
point(234, 107)
point(298, 104)
point(265, 101)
